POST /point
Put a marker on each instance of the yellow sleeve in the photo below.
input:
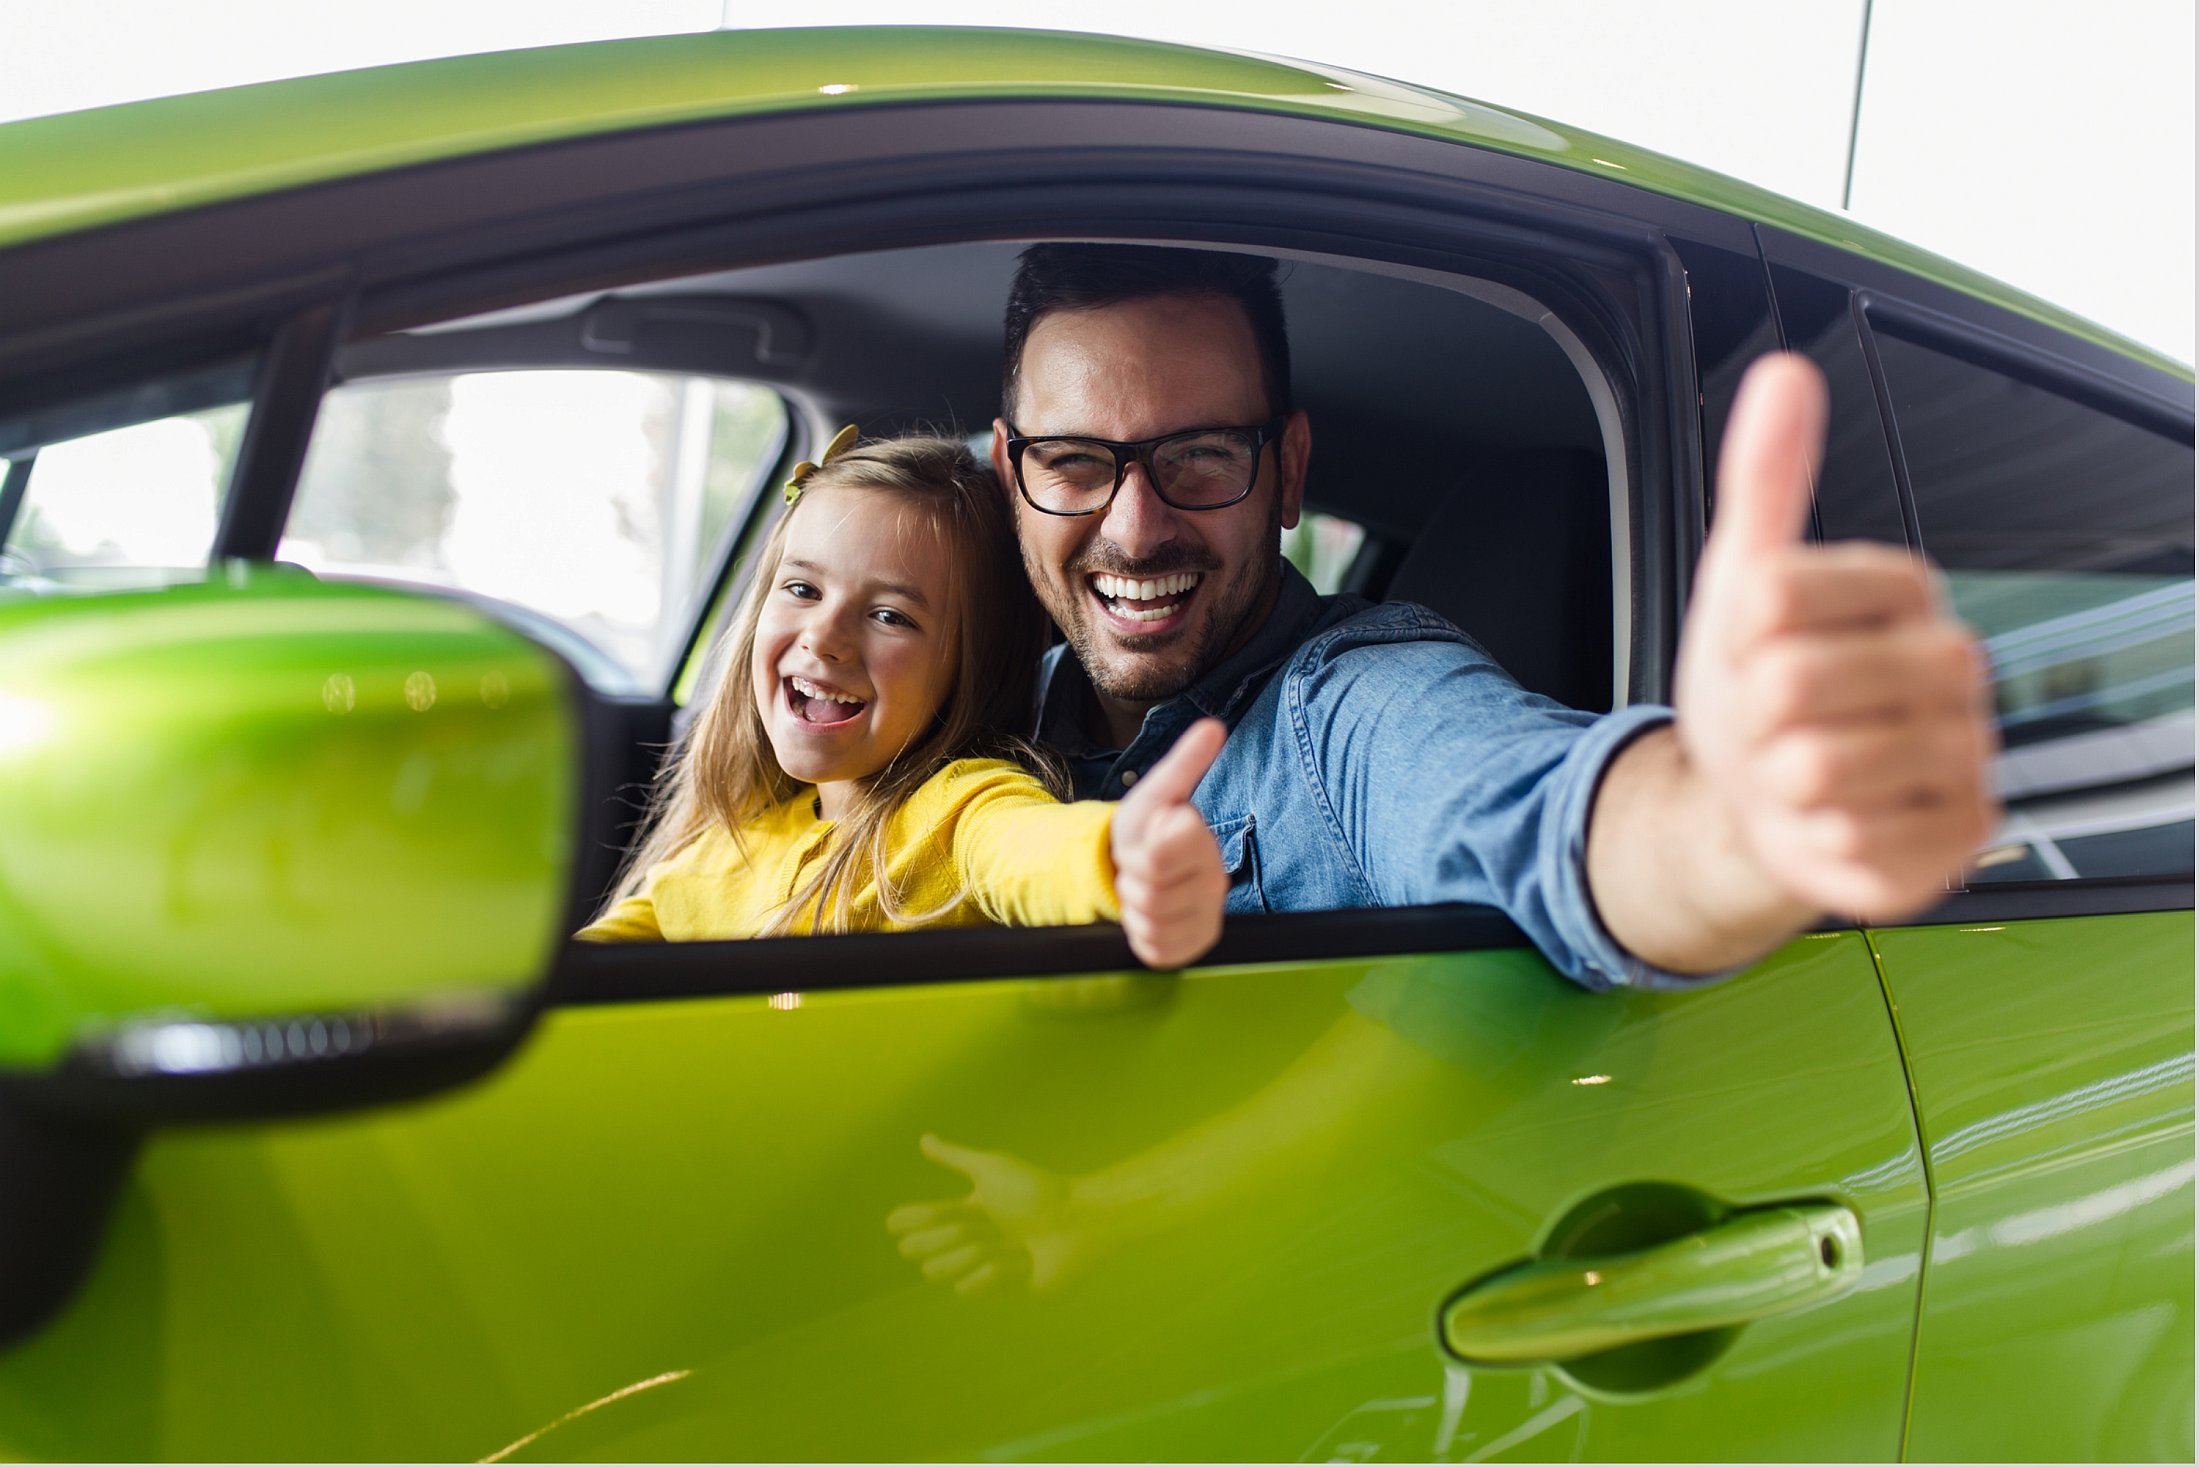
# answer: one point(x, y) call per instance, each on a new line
point(633, 920)
point(1027, 859)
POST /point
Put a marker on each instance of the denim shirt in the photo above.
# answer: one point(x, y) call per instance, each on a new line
point(1379, 757)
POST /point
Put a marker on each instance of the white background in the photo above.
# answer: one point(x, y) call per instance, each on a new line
point(2048, 144)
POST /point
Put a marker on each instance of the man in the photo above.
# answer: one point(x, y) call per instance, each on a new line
point(1827, 751)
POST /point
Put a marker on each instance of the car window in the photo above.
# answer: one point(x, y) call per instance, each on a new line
point(594, 502)
point(1323, 546)
point(130, 505)
point(2067, 537)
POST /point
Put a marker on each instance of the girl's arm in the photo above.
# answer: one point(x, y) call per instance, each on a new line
point(1148, 860)
point(633, 920)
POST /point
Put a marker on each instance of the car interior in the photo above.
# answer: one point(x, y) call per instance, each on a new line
point(1456, 433)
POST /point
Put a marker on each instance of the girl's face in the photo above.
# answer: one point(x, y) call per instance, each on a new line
point(854, 647)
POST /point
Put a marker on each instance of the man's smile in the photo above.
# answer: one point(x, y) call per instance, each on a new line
point(1145, 605)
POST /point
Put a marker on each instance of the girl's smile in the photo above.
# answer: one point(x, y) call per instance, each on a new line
point(852, 655)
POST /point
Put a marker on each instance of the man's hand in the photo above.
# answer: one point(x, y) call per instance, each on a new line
point(1832, 706)
point(1168, 869)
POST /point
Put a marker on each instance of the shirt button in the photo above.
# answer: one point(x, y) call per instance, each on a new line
point(1130, 777)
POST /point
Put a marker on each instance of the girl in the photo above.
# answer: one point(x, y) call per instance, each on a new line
point(855, 770)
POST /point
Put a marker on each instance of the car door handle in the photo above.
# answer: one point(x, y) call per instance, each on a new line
point(1754, 1264)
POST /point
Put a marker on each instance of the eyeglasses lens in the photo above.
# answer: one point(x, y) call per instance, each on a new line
point(1191, 470)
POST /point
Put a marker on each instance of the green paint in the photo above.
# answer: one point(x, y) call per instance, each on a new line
point(264, 795)
point(2053, 1066)
point(1223, 1211)
point(80, 170)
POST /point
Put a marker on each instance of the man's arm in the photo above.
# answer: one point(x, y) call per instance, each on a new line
point(1831, 744)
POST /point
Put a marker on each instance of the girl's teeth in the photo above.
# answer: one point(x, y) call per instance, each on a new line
point(809, 689)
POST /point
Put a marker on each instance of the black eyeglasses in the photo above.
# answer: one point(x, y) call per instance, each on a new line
point(1199, 468)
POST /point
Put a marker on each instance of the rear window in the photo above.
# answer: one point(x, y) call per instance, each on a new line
point(122, 489)
point(2067, 535)
point(596, 504)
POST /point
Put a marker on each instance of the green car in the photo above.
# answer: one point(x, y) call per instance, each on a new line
point(381, 450)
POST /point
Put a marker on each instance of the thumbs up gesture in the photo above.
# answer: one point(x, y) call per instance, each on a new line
point(1824, 692)
point(1168, 869)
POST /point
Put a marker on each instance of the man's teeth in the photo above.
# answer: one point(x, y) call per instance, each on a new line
point(1121, 588)
point(809, 689)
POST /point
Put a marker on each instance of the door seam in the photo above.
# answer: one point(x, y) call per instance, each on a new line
point(1932, 1191)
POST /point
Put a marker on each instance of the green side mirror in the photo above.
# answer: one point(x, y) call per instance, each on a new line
point(266, 829)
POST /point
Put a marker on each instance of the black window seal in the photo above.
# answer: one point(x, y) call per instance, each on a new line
point(1984, 348)
point(1860, 306)
point(2022, 901)
point(589, 974)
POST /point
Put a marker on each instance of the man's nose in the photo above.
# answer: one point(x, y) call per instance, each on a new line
point(1137, 522)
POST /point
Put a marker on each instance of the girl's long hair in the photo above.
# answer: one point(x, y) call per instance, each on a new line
point(723, 772)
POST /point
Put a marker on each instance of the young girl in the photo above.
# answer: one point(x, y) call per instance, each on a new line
point(855, 770)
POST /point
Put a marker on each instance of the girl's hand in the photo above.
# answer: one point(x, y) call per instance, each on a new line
point(1168, 869)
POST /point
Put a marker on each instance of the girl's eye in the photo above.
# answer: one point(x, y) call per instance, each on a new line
point(893, 618)
point(802, 589)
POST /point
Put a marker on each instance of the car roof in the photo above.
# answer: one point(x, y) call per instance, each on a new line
point(80, 170)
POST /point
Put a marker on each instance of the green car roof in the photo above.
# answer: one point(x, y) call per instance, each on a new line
point(79, 170)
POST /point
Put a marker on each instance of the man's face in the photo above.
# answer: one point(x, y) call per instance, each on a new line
point(1129, 372)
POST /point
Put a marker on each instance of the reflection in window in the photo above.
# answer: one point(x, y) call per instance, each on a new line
point(2067, 535)
point(592, 500)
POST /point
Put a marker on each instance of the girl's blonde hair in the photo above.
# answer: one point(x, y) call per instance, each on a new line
point(722, 771)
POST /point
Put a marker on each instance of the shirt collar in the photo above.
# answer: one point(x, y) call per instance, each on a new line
point(1065, 693)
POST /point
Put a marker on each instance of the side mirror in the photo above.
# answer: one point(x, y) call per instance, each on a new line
point(267, 846)
point(270, 845)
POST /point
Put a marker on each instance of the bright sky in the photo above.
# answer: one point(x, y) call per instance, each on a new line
point(2048, 144)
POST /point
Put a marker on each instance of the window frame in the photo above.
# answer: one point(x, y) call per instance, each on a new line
point(462, 237)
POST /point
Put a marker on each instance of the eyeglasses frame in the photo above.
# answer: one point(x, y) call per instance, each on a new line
point(1141, 453)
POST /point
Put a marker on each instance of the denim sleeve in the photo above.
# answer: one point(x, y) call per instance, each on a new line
point(1443, 780)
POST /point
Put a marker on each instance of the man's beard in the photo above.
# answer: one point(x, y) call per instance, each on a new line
point(1180, 660)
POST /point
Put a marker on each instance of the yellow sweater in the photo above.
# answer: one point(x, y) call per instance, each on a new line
point(1023, 858)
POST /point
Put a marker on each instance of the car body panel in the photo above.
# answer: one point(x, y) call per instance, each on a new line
point(660, 1230)
point(2053, 1066)
point(79, 170)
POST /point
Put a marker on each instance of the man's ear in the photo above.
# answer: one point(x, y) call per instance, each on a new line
point(1292, 452)
point(999, 455)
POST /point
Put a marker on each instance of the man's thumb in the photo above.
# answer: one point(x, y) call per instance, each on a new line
point(1770, 457)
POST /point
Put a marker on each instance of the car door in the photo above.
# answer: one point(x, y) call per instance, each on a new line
point(2046, 1007)
point(1254, 1211)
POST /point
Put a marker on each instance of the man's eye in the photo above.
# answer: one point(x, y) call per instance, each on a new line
point(1072, 460)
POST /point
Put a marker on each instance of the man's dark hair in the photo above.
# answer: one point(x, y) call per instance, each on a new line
point(1085, 277)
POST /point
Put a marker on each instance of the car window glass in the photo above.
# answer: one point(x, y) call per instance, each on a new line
point(1322, 546)
point(2067, 537)
point(127, 506)
point(593, 502)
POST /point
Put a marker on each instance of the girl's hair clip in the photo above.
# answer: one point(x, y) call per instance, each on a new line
point(844, 440)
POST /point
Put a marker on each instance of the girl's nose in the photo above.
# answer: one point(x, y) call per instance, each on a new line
point(826, 640)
